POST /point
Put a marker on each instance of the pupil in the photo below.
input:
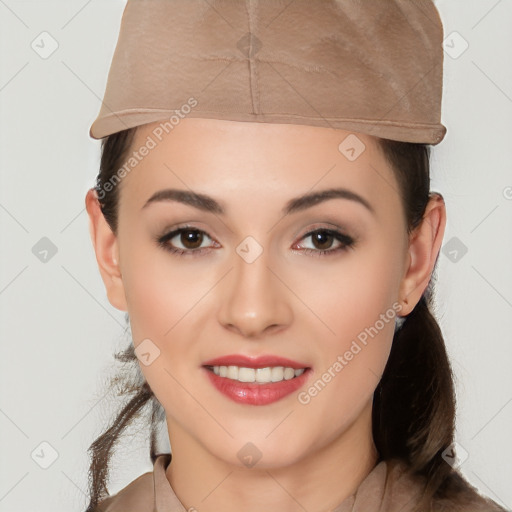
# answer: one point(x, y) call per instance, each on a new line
point(191, 239)
point(323, 238)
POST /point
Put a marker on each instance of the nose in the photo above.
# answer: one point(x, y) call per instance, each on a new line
point(254, 300)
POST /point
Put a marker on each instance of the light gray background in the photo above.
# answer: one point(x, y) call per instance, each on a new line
point(58, 330)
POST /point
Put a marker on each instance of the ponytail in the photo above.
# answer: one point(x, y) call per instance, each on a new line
point(414, 403)
point(132, 382)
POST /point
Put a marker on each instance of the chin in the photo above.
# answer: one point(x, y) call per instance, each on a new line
point(259, 450)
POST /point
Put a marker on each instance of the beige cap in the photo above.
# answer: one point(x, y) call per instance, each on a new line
point(371, 66)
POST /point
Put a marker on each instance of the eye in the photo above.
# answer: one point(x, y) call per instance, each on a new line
point(189, 241)
point(323, 241)
point(185, 241)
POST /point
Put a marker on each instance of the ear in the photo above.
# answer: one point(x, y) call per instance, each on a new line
point(106, 248)
point(424, 245)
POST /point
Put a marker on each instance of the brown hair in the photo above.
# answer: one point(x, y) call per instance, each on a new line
point(414, 403)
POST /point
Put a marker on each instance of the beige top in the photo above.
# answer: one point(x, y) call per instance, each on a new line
point(387, 488)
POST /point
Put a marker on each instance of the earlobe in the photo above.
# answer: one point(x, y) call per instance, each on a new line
point(424, 245)
point(106, 248)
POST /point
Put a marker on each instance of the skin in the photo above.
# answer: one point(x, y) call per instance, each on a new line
point(302, 306)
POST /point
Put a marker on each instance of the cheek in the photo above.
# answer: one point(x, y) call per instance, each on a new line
point(160, 291)
point(160, 303)
point(349, 294)
point(357, 303)
point(349, 369)
point(169, 303)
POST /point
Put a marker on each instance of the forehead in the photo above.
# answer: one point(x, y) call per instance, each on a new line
point(256, 160)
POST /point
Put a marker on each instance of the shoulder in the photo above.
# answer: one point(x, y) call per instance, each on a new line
point(456, 494)
point(136, 496)
point(459, 495)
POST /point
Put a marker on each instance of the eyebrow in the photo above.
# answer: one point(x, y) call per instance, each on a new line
point(208, 204)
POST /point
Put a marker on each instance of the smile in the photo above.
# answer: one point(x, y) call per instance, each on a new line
point(256, 380)
point(259, 375)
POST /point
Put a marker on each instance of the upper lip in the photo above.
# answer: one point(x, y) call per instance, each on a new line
point(254, 362)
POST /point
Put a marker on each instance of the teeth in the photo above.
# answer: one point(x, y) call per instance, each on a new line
point(246, 374)
point(261, 375)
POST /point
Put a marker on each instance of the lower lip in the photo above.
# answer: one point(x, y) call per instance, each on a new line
point(253, 393)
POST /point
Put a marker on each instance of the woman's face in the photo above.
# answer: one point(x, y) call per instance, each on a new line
point(249, 279)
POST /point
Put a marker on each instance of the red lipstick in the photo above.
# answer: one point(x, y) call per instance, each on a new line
point(253, 362)
point(255, 393)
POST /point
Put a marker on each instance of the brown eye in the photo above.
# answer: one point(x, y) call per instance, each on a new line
point(322, 239)
point(186, 240)
point(191, 238)
point(323, 242)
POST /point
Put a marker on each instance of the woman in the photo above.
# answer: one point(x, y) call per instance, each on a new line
point(275, 254)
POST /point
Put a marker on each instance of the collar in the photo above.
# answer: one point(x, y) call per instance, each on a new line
point(387, 488)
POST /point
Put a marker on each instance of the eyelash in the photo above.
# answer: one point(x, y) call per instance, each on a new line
point(346, 241)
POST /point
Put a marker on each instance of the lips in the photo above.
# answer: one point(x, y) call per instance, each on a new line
point(252, 393)
point(254, 362)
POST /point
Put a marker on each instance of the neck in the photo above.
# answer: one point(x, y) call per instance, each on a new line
point(318, 482)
